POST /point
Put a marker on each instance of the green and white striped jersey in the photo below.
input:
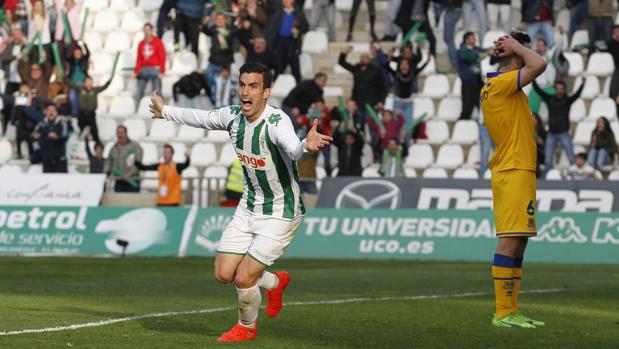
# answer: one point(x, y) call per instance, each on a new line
point(267, 148)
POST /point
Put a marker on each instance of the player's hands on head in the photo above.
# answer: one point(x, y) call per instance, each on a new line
point(315, 141)
point(506, 46)
point(156, 106)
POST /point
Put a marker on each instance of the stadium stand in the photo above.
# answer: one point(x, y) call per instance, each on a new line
point(440, 142)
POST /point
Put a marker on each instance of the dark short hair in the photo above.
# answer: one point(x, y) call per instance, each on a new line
point(167, 145)
point(98, 145)
point(615, 26)
point(320, 75)
point(258, 68)
point(561, 82)
point(321, 100)
point(395, 140)
point(467, 35)
point(148, 25)
point(123, 127)
point(582, 156)
point(542, 40)
point(51, 105)
point(521, 37)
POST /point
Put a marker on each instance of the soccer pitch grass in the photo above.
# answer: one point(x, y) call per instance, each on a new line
point(48, 292)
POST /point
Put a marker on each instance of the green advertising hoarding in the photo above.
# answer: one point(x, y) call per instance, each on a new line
point(426, 234)
point(325, 233)
point(90, 230)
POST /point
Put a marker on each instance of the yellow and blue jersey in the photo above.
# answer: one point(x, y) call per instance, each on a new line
point(509, 121)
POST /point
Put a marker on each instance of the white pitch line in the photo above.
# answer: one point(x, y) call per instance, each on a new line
point(217, 310)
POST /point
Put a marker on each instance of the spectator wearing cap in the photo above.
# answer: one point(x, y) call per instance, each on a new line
point(305, 93)
point(469, 69)
point(51, 134)
point(186, 91)
point(170, 177)
point(121, 162)
point(538, 16)
point(151, 61)
point(188, 20)
point(285, 31)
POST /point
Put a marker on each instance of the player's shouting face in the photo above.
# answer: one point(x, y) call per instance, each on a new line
point(253, 94)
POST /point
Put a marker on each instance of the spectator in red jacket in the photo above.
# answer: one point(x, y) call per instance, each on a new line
point(150, 65)
point(393, 127)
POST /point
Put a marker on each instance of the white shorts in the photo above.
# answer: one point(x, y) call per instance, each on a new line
point(263, 238)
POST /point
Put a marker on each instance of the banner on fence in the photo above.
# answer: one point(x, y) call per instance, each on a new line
point(341, 234)
point(460, 194)
point(90, 231)
point(427, 234)
point(51, 189)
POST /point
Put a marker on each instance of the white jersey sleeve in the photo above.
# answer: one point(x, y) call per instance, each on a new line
point(216, 119)
point(286, 139)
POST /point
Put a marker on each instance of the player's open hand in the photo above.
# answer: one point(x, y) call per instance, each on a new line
point(315, 141)
point(156, 106)
point(506, 46)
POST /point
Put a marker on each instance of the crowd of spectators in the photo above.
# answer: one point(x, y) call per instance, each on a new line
point(49, 93)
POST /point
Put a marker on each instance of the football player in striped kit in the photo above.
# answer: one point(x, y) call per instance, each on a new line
point(271, 209)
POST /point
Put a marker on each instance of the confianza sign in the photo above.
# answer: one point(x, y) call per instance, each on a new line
point(50, 189)
point(444, 194)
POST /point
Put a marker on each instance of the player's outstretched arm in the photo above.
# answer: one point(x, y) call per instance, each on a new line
point(534, 64)
point(208, 119)
point(315, 141)
point(288, 141)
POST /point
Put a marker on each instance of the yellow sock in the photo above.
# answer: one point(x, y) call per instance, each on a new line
point(517, 282)
point(503, 275)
